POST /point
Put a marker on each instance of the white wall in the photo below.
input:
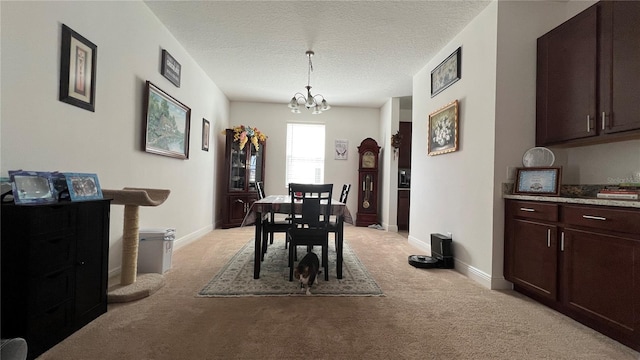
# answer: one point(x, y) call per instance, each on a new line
point(388, 189)
point(350, 123)
point(39, 132)
point(455, 191)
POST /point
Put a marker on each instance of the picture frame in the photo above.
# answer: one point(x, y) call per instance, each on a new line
point(341, 149)
point(205, 134)
point(170, 69)
point(538, 181)
point(32, 187)
point(83, 186)
point(78, 59)
point(167, 124)
point(447, 72)
point(443, 130)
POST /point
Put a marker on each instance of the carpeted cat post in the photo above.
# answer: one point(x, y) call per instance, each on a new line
point(133, 287)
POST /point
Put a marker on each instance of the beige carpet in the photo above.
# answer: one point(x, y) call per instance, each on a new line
point(426, 314)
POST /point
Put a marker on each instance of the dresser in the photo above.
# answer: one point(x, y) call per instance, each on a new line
point(54, 270)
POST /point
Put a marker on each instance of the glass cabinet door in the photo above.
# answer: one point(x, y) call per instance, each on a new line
point(255, 167)
point(238, 170)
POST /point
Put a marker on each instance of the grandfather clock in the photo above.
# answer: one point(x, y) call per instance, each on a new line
point(368, 183)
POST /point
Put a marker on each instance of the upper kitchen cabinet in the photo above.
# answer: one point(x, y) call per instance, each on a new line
point(588, 77)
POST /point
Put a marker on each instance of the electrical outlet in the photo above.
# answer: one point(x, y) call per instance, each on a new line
point(450, 235)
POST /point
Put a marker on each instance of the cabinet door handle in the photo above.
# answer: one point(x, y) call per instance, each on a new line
point(594, 217)
point(588, 123)
point(548, 237)
point(528, 209)
point(239, 201)
point(562, 242)
point(604, 120)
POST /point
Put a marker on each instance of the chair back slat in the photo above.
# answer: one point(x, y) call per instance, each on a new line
point(345, 193)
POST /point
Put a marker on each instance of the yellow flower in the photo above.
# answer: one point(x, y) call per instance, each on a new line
point(241, 134)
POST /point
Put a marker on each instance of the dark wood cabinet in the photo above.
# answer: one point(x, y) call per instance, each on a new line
point(580, 260)
point(404, 157)
point(588, 72)
point(243, 168)
point(54, 270)
point(403, 209)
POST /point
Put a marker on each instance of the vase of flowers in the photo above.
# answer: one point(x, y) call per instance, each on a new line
point(243, 134)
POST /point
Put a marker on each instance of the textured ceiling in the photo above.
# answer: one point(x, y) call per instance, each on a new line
point(365, 51)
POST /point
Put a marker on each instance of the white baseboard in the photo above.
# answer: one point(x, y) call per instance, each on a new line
point(177, 244)
point(471, 272)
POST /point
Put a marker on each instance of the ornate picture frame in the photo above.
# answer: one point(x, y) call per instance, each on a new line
point(447, 72)
point(78, 59)
point(167, 123)
point(443, 130)
point(538, 181)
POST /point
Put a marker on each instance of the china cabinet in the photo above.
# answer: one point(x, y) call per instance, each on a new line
point(588, 75)
point(580, 260)
point(54, 270)
point(243, 168)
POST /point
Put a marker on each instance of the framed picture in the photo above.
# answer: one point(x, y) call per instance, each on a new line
point(342, 149)
point(538, 181)
point(448, 72)
point(205, 134)
point(167, 123)
point(32, 187)
point(443, 129)
point(83, 186)
point(170, 68)
point(78, 57)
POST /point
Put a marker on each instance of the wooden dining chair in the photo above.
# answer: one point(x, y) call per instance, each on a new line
point(333, 222)
point(271, 226)
point(310, 212)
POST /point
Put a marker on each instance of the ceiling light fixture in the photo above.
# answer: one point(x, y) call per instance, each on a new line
point(315, 102)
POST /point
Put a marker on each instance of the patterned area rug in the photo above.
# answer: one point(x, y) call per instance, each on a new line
point(236, 278)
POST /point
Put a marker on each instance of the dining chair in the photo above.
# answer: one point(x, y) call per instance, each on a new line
point(271, 225)
point(310, 212)
point(333, 222)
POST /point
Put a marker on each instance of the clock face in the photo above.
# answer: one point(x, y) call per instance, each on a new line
point(368, 160)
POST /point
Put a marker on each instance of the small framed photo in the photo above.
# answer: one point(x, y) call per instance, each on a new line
point(446, 73)
point(443, 130)
point(538, 181)
point(342, 149)
point(78, 58)
point(32, 187)
point(167, 123)
point(170, 68)
point(83, 187)
point(205, 134)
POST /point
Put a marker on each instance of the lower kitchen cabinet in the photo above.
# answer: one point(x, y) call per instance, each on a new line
point(54, 270)
point(583, 261)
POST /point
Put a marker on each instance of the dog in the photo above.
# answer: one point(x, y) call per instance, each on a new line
point(307, 270)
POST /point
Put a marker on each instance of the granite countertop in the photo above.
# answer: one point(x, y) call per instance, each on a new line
point(572, 194)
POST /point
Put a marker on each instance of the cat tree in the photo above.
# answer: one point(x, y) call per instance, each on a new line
point(134, 287)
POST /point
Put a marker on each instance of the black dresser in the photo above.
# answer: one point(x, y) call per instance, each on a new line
point(54, 270)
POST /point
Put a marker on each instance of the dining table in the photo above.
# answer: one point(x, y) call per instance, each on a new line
point(282, 204)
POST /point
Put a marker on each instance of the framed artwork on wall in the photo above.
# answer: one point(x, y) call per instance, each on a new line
point(538, 181)
point(167, 123)
point(341, 149)
point(78, 58)
point(205, 134)
point(446, 73)
point(443, 129)
point(171, 69)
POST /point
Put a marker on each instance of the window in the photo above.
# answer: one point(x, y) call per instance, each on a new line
point(305, 154)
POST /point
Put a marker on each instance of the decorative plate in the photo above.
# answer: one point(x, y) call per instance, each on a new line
point(538, 157)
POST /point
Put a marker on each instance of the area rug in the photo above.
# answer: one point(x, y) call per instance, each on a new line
point(236, 278)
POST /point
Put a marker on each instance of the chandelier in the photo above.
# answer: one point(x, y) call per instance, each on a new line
point(315, 102)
